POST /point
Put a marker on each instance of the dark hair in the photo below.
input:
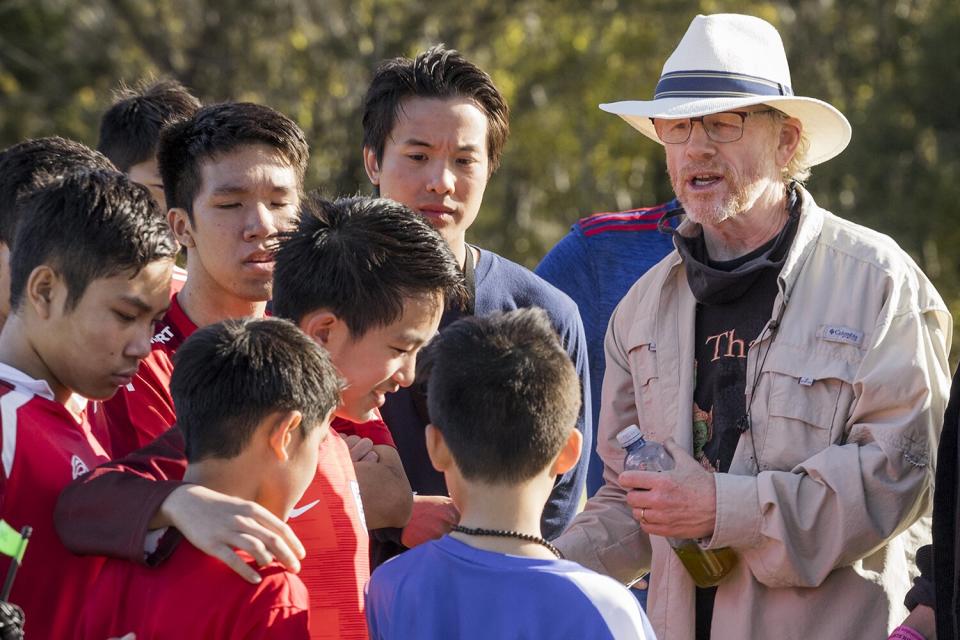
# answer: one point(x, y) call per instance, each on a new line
point(130, 128)
point(362, 259)
point(219, 129)
point(29, 164)
point(437, 72)
point(87, 225)
point(503, 393)
point(230, 376)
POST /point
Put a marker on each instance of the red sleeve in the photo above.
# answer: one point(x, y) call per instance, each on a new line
point(376, 429)
point(107, 511)
point(143, 410)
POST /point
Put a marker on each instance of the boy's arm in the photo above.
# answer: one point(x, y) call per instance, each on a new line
point(384, 489)
point(110, 510)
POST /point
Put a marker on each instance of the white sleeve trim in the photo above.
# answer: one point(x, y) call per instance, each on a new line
point(10, 404)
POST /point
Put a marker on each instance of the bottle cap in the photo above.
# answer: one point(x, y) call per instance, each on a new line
point(629, 436)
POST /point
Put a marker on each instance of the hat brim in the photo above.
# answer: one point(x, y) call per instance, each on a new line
point(825, 127)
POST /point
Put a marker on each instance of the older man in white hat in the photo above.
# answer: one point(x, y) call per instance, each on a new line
point(794, 363)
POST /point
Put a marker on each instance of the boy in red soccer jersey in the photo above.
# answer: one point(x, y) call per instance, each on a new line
point(254, 399)
point(24, 167)
point(366, 279)
point(233, 175)
point(90, 273)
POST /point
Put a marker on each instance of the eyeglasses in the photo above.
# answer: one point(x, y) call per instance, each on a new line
point(726, 126)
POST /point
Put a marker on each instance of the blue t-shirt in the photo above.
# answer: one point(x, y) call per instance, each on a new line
point(447, 589)
point(501, 285)
point(596, 264)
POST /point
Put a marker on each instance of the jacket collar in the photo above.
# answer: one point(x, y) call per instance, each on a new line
point(808, 232)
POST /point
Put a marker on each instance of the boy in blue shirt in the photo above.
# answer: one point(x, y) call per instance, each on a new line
point(503, 399)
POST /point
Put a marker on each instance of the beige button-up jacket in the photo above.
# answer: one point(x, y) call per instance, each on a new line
point(846, 414)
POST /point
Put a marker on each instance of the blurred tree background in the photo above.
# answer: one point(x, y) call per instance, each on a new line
point(892, 66)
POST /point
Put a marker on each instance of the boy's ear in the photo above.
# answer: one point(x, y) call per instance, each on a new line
point(40, 290)
point(282, 433)
point(372, 166)
point(569, 453)
point(437, 449)
point(180, 223)
point(318, 325)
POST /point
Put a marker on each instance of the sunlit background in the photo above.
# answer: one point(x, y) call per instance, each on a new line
point(893, 67)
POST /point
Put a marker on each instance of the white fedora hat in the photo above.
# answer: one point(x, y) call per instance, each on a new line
point(730, 61)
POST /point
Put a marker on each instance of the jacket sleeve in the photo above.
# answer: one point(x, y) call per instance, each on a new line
point(107, 511)
point(604, 536)
point(565, 498)
point(794, 527)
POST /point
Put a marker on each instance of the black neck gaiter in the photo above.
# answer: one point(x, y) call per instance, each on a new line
point(721, 282)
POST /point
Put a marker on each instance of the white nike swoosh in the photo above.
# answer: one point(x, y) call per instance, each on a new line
point(299, 511)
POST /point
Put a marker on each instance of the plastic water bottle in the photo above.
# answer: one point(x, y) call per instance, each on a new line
point(643, 455)
point(706, 567)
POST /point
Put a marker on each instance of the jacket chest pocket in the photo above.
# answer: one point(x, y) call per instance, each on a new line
point(645, 372)
point(808, 402)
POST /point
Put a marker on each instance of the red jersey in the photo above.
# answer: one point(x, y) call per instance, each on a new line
point(193, 595)
point(44, 448)
point(329, 522)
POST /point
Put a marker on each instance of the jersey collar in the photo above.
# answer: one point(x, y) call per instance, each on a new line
point(25, 384)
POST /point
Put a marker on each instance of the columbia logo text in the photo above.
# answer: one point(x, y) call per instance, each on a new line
point(845, 335)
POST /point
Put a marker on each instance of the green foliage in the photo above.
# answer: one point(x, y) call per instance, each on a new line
point(892, 67)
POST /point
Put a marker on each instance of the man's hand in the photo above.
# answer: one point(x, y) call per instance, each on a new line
point(922, 620)
point(681, 503)
point(361, 449)
point(432, 518)
point(217, 524)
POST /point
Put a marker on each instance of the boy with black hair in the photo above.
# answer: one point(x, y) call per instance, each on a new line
point(254, 399)
point(367, 280)
point(26, 166)
point(434, 129)
point(503, 399)
point(387, 297)
point(233, 174)
point(130, 129)
point(90, 273)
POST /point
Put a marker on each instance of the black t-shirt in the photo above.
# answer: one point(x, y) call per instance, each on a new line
point(725, 331)
point(724, 334)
